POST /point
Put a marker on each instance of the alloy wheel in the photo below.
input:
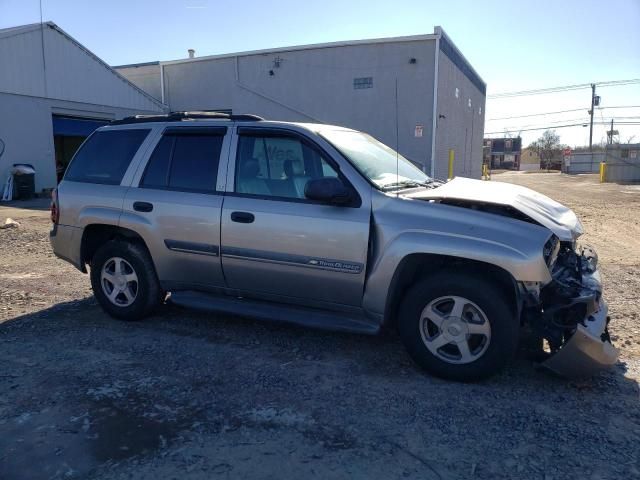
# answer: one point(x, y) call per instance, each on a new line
point(119, 281)
point(455, 329)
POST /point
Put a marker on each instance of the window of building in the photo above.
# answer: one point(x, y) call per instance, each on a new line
point(185, 162)
point(362, 82)
point(507, 144)
point(105, 156)
point(469, 103)
point(457, 92)
point(278, 166)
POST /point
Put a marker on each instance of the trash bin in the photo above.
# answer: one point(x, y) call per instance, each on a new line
point(24, 185)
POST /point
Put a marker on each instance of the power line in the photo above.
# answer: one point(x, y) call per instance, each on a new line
point(620, 106)
point(566, 120)
point(552, 127)
point(563, 88)
point(556, 112)
point(540, 128)
point(626, 118)
point(535, 114)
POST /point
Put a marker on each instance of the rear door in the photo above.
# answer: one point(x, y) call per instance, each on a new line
point(277, 243)
point(176, 206)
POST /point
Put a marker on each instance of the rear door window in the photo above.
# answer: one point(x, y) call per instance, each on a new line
point(105, 156)
point(185, 161)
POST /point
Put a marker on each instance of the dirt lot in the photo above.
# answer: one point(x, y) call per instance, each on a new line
point(189, 395)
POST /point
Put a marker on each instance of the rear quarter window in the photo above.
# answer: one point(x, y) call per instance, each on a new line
point(105, 156)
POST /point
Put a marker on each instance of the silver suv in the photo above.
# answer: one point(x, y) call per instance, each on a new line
point(327, 227)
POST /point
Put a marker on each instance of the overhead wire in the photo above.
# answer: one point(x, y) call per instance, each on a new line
point(557, 112)
point(563, 88)
point(551, 127)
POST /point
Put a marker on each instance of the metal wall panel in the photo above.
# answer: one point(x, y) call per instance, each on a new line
point(583, 163)
point(317, 85)
point(67, 72)
point(21, 60)
point(622, 169)
point(460, 121)
point(145, 77)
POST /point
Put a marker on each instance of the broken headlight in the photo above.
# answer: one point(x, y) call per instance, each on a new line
point(588, 258)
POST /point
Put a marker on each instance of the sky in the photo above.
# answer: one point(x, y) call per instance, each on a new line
point(513, 45)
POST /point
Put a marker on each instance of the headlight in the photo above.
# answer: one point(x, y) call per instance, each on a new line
point(551, 250)
point(578, 229)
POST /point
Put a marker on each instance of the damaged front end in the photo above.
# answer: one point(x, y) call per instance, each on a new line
point(569, 313)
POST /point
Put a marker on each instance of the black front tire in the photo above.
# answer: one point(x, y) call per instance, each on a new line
point(486, 295)
point(148, 295)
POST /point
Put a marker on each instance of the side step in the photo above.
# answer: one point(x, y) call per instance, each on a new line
point(244, 307)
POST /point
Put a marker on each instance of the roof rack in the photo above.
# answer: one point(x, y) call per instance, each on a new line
point(193, 115)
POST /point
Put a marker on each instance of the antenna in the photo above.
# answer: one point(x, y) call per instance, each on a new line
point(44, 59)
point(397, 139)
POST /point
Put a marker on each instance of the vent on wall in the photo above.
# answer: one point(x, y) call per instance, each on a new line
point(362, 82)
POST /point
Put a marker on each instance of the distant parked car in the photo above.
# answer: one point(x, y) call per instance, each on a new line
point(327, 227)
point(553, 164)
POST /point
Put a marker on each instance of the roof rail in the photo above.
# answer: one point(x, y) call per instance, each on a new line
point(193, 115)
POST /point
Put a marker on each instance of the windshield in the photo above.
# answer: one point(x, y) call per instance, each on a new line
point(387, 169)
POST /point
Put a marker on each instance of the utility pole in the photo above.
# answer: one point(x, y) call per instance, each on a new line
point(593, 101)
point(611, 133)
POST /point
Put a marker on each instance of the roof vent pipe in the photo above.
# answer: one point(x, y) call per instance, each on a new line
point(192, 53)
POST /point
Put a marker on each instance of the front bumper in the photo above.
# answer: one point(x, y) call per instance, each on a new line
point(589, 349)
point(575, 317)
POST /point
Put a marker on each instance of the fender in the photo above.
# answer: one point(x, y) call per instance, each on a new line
point(511, 245)
point(102, 215)
point(519, 264)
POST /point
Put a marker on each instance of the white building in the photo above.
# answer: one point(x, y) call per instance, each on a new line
point(440, 98)
point(53, 93)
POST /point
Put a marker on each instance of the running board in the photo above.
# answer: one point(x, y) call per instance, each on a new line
point(306, 317)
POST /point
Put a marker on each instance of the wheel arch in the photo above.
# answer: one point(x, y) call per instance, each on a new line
point(97, 234)
point(418, 265)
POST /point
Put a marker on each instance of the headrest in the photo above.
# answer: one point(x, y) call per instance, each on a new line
point(250, 169)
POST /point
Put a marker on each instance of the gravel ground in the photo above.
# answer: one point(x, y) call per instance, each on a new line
point(190, 395)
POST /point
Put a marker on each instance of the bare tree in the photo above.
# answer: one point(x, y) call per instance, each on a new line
point(547, 147)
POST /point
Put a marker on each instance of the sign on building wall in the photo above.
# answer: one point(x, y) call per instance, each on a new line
point(419, 130)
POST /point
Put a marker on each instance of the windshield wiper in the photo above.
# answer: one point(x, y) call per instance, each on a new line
point(406, 184)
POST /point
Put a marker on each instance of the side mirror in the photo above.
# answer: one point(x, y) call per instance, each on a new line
point(327, 190)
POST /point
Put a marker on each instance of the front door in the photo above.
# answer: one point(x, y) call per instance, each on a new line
point(177, 207)
point(274, 240)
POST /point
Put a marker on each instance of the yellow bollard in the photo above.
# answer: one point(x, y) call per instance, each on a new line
point(451, 157)
point(603, 172)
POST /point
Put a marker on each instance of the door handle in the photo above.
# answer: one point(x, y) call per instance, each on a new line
point(142, 206)
point(242, 217)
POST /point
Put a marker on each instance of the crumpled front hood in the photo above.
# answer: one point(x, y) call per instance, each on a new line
point(542, 209)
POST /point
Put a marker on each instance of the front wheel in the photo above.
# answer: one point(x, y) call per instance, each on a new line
point(458, 327)
point(124, 280)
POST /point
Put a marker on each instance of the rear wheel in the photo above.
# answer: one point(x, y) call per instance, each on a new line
point(458, 326)
point(124, 280)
